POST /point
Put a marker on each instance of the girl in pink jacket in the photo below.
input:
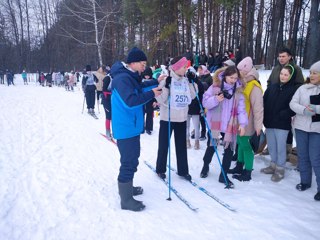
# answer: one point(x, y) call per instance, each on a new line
point(226, 116)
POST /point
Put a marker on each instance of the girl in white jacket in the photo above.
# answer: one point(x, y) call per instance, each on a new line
point(177, 93)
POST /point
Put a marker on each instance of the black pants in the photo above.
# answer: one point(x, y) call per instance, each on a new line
point(227, 155)
point(129, 149)
point(149, 121)
point(106, 101)
point(98, 95)
point(203, 126)
point(290, 137)
point(90, 96)
point(180, 136)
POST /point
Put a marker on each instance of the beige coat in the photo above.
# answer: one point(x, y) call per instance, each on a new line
point(175, 115)
point(100, 77)
point(255, 119)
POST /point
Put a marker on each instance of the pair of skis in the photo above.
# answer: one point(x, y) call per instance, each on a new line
point(196, 185)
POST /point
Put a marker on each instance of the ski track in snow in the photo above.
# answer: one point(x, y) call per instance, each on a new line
point(58, 181)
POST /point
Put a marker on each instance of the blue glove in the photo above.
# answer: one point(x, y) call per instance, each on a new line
point(191, 76)
point(307, 112)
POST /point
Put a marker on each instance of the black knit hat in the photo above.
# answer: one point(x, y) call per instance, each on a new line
point(136, 55)
point(88, 68)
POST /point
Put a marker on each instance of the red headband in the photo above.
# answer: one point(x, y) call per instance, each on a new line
point(181, 63)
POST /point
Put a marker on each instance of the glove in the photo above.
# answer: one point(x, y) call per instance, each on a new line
point(307, 112)
point(191, 76)
point(168, 82)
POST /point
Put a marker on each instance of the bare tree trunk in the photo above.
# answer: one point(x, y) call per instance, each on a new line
point(222, 37)
point(209, 25)
point(202, 35)
point(258, 46)
point(274, 35)
point(28, 57)
point(243, 33)
point(302, 37)
point(198, 28)
point(250, 26)
point(312, 43)
point(280, 40)
point(22, 59)
point(216, 27)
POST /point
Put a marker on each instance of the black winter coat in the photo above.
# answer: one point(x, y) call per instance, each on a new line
point(203, 59)
point(194, 107)
point(276, 99)
point(206, 81)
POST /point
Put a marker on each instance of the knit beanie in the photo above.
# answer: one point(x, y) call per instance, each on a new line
point(136, 55)
point(315, 67)
point(88, 68)
point(245, 65)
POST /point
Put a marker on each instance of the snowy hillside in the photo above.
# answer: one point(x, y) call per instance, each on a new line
point(58, 180)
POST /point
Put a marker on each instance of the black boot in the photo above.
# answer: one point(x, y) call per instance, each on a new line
point(203, 136)
point(244, 177)
point(228, 184)
point(204, 171)
point(206, 161)
point(127, 201)
point(238, 169)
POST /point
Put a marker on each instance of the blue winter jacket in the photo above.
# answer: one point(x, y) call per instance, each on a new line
point(129, 95)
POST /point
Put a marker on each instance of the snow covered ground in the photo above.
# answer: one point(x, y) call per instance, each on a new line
point(58, 180)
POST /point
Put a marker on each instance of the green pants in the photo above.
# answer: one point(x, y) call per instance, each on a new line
point(245, 152)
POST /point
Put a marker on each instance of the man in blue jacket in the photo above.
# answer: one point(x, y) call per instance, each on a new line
point(129, 95)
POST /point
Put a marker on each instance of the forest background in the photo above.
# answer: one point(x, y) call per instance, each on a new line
point(64, 35)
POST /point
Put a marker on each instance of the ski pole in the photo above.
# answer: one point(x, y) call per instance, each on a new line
point(210, 134)
point(84, 99)
point(169, 148)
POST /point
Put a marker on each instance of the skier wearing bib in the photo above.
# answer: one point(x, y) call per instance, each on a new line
point(177, 94)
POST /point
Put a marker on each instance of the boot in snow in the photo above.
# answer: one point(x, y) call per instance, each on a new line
point(244, 177)
point(204, 171)
point(238, 169)
point(278, 174)
point(302, 186)
point(203, 136)
point(229, 184)
point(269, 170)
point(127, 201)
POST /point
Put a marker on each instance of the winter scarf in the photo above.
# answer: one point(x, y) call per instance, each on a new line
point(230, 137)
point(247, 91)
